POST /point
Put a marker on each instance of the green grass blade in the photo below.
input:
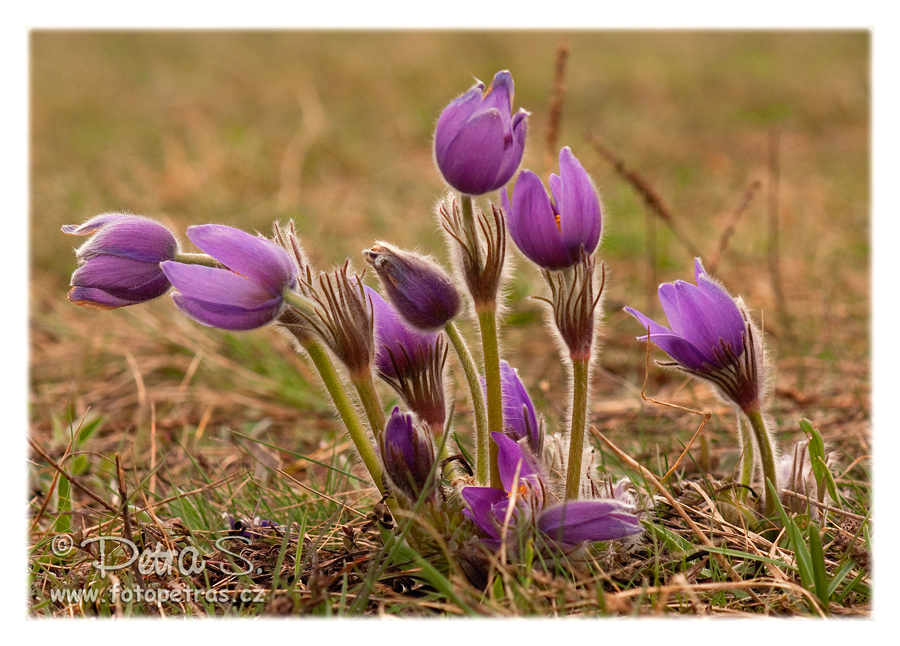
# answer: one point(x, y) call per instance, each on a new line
point(817, 562)
point(840, 575)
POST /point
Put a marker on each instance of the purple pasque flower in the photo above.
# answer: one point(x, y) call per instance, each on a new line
point(411, 362)
point(119, 265)
point(488, 507)
point(478, 142)
point(246, 293)
point(422, 292)
point(709, 337)
point(407, 451)
point(551, 233)
point(565, 524)
point(519, 419)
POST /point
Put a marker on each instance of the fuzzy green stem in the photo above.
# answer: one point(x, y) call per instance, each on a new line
point(580, 381)
point(345, 409)
point(365, 386)
point(469, 369)
point(746, 458)
point(766, 455)
point(196, 259)
point(487, 322)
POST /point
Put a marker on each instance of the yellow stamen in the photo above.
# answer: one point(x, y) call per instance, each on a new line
point(559, 222)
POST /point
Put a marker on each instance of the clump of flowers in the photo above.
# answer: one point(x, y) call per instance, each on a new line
point(525, 485)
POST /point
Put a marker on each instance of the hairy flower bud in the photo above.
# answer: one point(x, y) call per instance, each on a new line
point(478, 142)
point(419, 289)
point(411, 362)
point(120, 264)
point(408, 455)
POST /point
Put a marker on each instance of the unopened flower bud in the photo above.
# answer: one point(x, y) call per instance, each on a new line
point(120, 264)
point(478, 142)
point(408, 454)
point(419, 289)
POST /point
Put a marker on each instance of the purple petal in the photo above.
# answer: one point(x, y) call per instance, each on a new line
point(705, 321)
point(127, 236)
point(510, 455)
point(575, 522)
point(499, 95)
point(471, 161)
point(115, 273)
point(669, 300)
point(654, 327)
point(258, 259)
point(454, 117)
point(676, 347)
point(228, 317)
point(219, 286)
point(393, 336)
point(481, 501)
point(532, 224)
point(93, 225)
point(580, 207)
point(730, 323)
point(519, 419)
point(96, 299)
point(513, 154)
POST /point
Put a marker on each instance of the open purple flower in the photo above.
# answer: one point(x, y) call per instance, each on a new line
point(408, 455)
point(478, 142)
point(551, 233)
point(709, 336)
point(411, 362)
point(565, 524)
point(246, 294)
point(120, 264)
point(422, 292)
point(519, 419)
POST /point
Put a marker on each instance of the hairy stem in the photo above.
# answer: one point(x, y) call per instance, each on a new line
point(580, 379)
point(487, 322)
point(471, 372)
point(746, 457)
point(196, 259)
point(345, 409)
point(365, 386)
point(766, 455)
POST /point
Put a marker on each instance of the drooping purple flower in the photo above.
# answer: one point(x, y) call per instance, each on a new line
point(246, 294)
point(120, 264)
point(551, 233)
point(422, 292)
point(566, 524)
point(578, 521)
point(709, 337)
point(478, 142)
point(408, 455)
point(519, 419)
point(411, 362)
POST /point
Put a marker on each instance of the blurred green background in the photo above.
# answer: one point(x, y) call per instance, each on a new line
point(333, 129)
